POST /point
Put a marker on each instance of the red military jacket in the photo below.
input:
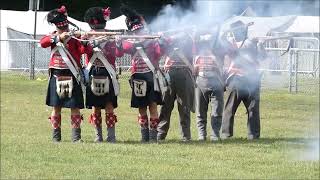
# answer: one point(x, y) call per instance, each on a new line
point(75, 48)
point(247, 60)
point(209, 63)
point(110, 51)
point(151, 48)
point(186, 47)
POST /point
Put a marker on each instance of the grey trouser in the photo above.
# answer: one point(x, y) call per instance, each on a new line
point(182, 89)
point(209, 90)
point(241, 89)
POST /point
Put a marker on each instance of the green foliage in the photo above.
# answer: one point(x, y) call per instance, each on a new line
point(289, 122)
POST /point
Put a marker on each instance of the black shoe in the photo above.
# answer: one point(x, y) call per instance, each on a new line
point(99, 137)
point(76, 135)
point(153, 135)
point(111, 136)
point(144, 135)
point(56, 135)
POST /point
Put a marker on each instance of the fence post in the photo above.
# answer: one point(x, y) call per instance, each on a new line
point(32, 60)
point(35, 4)
point(296, 70)
point(290, 70)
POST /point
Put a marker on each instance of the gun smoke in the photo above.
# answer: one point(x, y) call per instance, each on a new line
point(208, 12)
point(212, 13)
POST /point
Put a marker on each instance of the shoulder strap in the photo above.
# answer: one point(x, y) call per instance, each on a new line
point(109, 68)
point(145, 58)
point(66, 56)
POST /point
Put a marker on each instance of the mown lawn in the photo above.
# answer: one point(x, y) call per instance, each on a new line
point(290, 124)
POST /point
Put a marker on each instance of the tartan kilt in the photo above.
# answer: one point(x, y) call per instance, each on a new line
point(150, 95)
point(52, 99)
point(100, 101)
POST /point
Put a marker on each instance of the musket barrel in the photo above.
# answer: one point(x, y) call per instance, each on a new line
point(97, 33)
point(137, 36)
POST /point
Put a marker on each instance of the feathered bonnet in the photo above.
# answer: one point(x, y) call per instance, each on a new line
point(58, 17)
point(134, 20)
point(97, 17)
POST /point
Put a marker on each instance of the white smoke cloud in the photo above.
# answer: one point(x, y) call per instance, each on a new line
point(207, 12)
point(310, 147)
point(312, 153)
point(203, 13)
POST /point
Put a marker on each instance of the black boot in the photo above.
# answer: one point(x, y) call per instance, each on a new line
point(111, 136)
point(76, 135)
point(56, 135)
point(153, 135)
point(99, 137)
point(144, 135)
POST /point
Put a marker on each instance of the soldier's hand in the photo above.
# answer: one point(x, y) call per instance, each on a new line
point(85, 36)
point(94, 43)
point(63, 36)
point(118, 41)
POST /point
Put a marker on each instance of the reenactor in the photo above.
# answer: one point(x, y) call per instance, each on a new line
point(103, 87)
point(243, 81)
point(146, 84)
point(178, 66)
point(209, 60)
point(65, 82)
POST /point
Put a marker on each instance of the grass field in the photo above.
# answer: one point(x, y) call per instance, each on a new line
point(290, 123)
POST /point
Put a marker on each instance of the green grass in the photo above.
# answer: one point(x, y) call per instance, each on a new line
point(289, 123)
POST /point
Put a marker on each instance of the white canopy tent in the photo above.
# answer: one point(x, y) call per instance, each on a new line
point(302, 24)
point(280, 24)
point(262, 25)
point(20, 25)
point(23, 21)
point(118, 23)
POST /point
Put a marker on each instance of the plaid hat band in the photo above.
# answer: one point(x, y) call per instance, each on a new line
point(136, 26)
point(62, 24)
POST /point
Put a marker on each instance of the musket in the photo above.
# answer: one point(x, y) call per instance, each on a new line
point(136, 36)
point(81, 33)
point(129, 37)
point(110, 35)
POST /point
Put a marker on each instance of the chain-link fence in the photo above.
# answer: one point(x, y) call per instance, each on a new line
point(296, 70)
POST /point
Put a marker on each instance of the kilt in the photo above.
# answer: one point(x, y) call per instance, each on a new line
point(100, 101)
point(52, 99)
point(149, 96)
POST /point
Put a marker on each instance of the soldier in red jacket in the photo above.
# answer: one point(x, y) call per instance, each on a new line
point(142, 80)
point(103, 88)
point(64, 90)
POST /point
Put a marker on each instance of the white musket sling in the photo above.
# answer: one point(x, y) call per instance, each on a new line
point(159, 84)
point(66, 56)
point(99, 55)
